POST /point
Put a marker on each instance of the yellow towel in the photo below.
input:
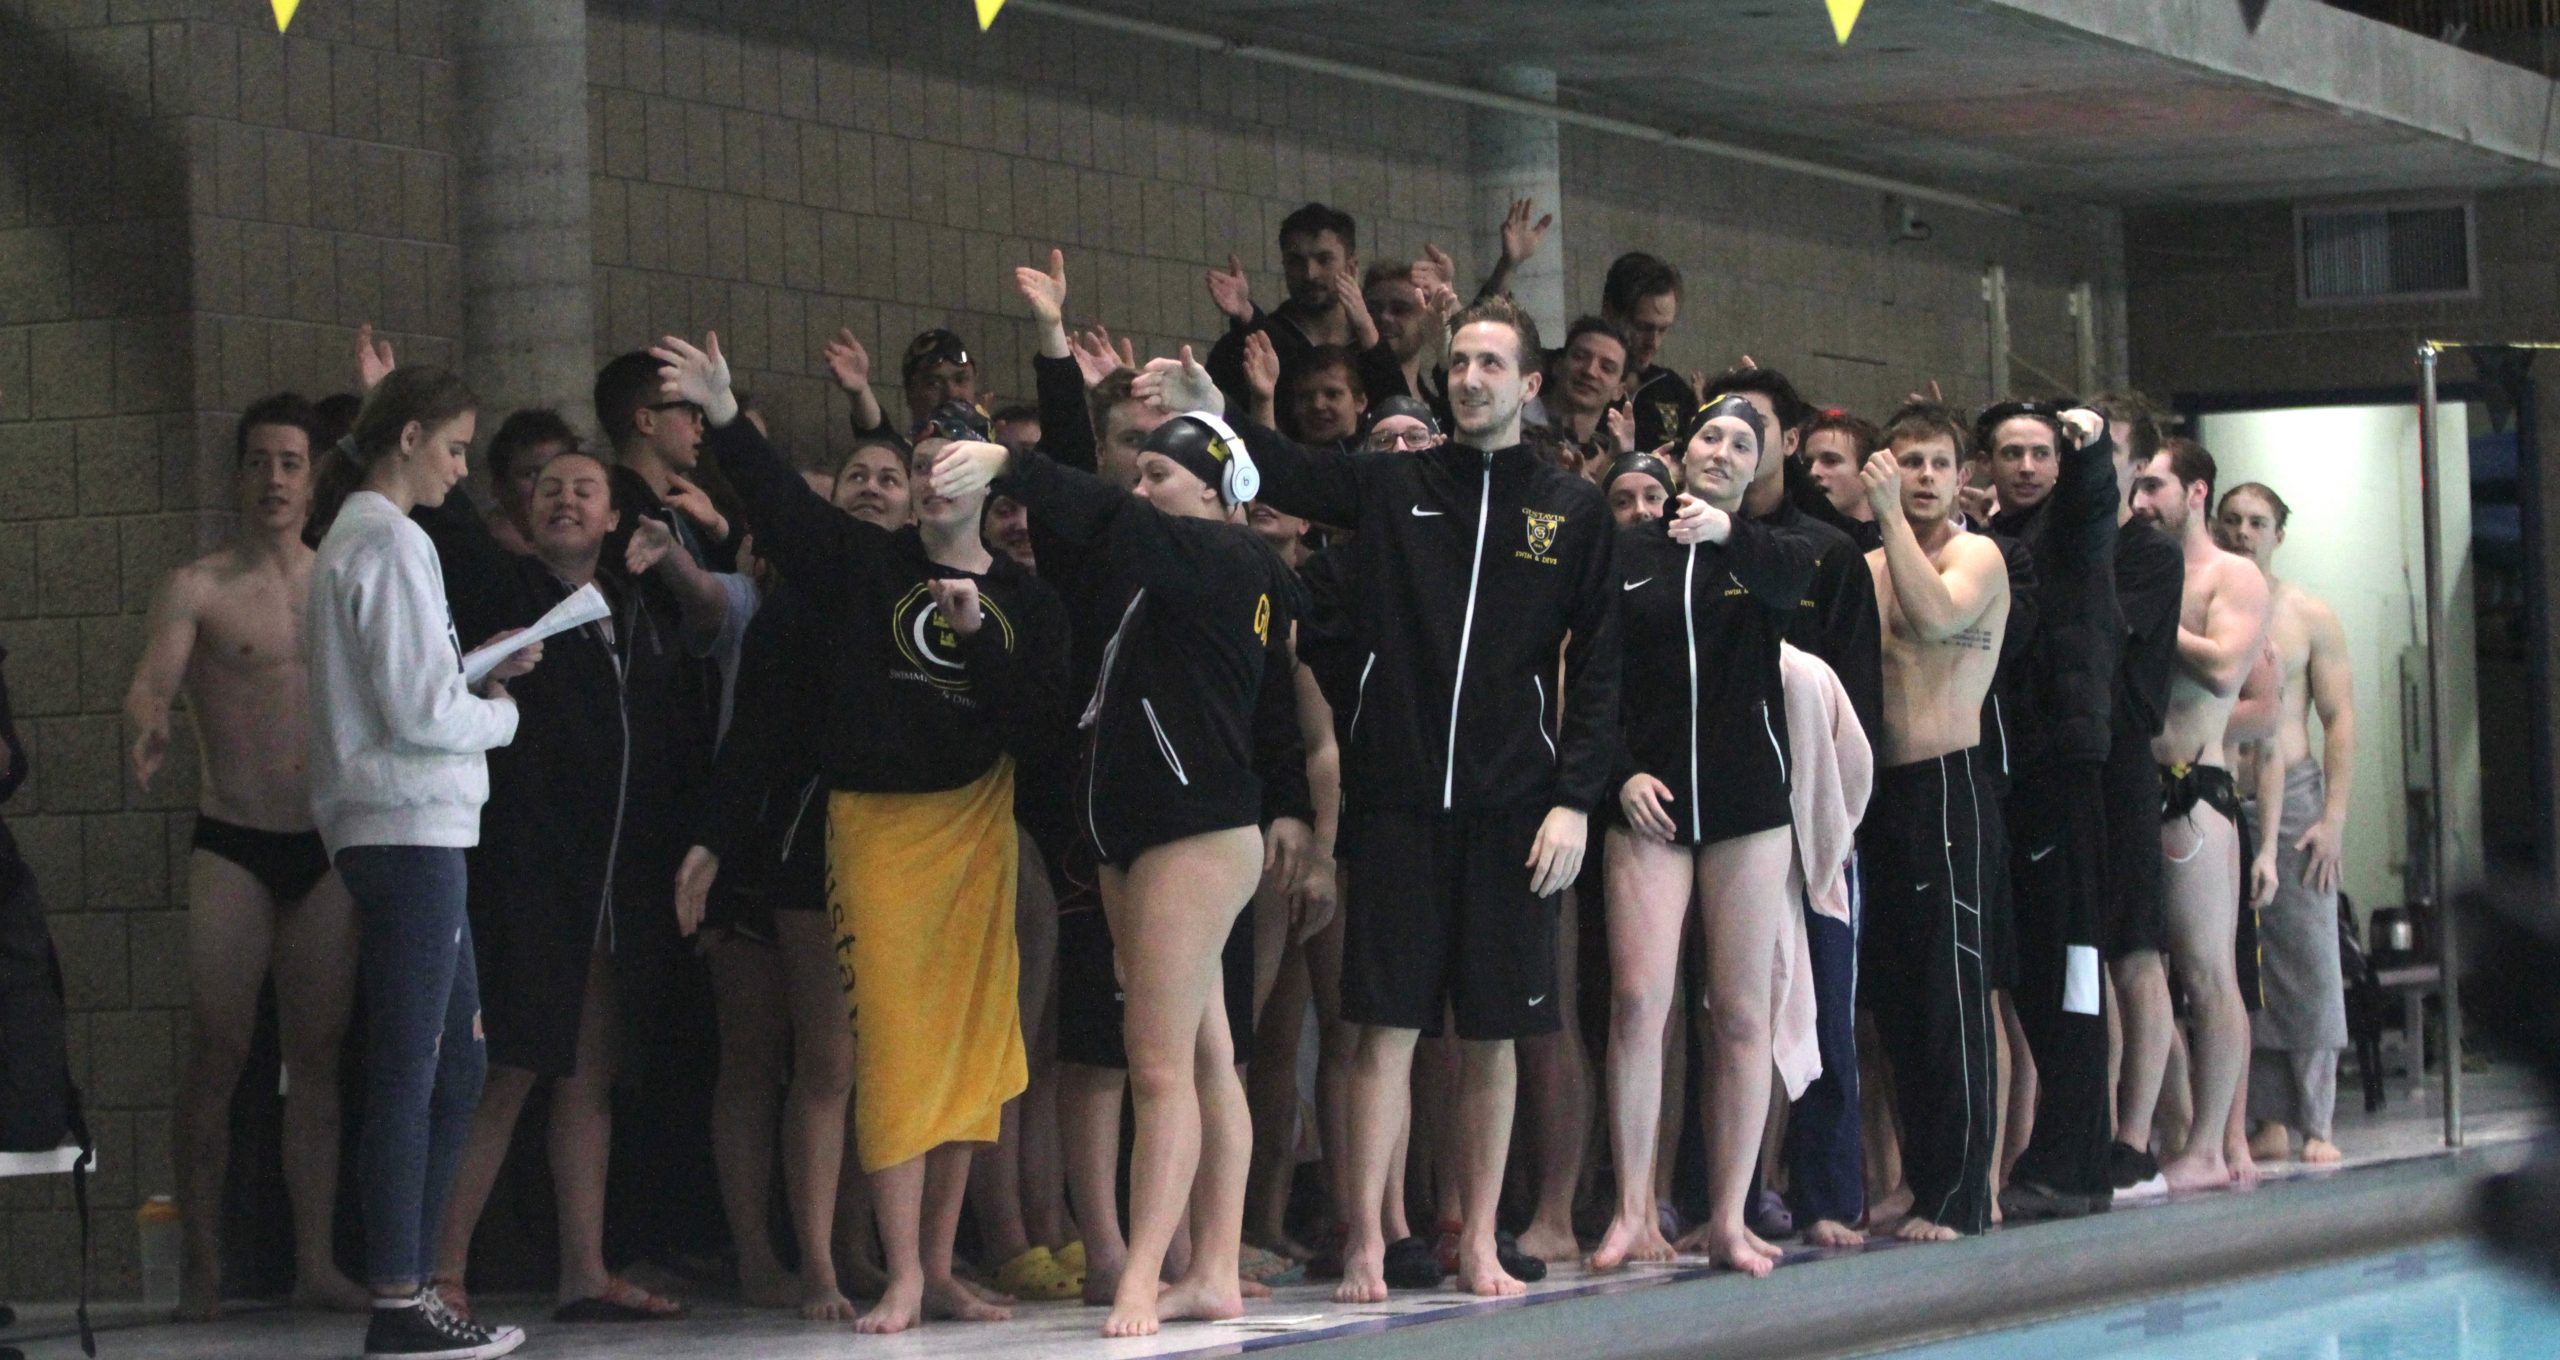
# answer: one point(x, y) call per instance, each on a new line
point(921, 888)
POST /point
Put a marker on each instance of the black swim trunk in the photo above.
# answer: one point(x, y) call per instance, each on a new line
point(1091, 1010)
point(1439, 913)
point(2135, 916)
point(790, 876)
point(288, 864)
point(2185, 787)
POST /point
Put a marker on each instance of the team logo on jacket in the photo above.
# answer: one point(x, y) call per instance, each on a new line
point(1543, 526)
point(929, 644)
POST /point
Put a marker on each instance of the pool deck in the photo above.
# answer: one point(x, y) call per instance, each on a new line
point(2400, 1187)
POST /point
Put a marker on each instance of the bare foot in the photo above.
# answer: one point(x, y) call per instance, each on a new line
point(2271, 1143)
point(1636, 1239)
point(1481, 1273)
point(1914, 1228)
point(1202, 1301)
point(2320, 1152)
point(820, 1301)
point(1364, 1275)
point(901, 1306)
point(1134, 1312)
point(986, 1294)
point(1761, 1244)
point(2244, 1168)
point(1830, 1233)
point(1740, 1250)
point(1550, 1243)
point(1280, 1244)
point(961, 1301)
point(1886, 1213)
point(331, 1292)
point(2201, 1168)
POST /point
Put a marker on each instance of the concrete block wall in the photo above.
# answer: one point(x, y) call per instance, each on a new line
point(195, 210)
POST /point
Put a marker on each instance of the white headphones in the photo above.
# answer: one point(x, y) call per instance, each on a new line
point(1238, 479)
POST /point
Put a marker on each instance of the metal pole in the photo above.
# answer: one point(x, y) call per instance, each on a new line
point(2440, 727)
point(1995, 302)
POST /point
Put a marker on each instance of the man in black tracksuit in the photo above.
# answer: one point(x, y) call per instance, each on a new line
point(1468, 778)
point(2057, 489)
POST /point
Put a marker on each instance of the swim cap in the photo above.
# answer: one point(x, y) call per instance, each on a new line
point(1402, 405)
point(1208, 448)
point(1647, 464)
point(1735, 407)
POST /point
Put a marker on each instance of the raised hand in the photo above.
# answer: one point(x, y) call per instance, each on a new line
point(1096, 359)
point(1364, 327)
point(1620, 424)
point(849, 361)
point(700, 376)
point(651, 541)
point(957, 602)
point(1261, 367)
point(1520, 236)
point(1882, 476)
point(694, 878)
point(1179, 385)
point(1045, 290)
point(1435, 267)
point(966, 467)
point(690, 501)
point(1933, 394)
point(374, 359)
point(1230, 289)
point(1695, 521)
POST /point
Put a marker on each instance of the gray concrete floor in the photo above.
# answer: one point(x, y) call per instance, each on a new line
point(2499, 1107)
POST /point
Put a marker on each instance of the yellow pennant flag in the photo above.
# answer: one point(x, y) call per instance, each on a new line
point(1844, 16)
point(284, 13)
point(987, 11)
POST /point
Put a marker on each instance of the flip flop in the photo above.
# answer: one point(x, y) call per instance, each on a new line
point(1268, 1267)
point(1036, 1274)
point(622, 1301)
point(1414, 1263)
point(1518, 1264)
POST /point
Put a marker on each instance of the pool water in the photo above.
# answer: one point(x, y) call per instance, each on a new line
point(2445, 1301)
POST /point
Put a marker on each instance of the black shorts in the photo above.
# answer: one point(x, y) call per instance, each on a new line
point(1090, 1010)
point(288, 864)
point(2136, 915)
point(1439, 914)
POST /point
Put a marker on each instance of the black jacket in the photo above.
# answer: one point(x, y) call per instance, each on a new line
point(1475, 568)
point(2066, 691)
point(1702, 697)
point(2009, 745)
point(911, 706)
point(1837, 619)
point(2151, 584)
point(1170, 747)
point(1663, 402)
point(763, 813)
point(1381, 374)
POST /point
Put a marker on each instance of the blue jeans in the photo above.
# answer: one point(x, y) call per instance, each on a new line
point(424, 1055)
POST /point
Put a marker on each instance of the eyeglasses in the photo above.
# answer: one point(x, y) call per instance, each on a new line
point(1400, 441)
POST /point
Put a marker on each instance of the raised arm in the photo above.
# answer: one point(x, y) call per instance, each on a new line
point(169, 639)
point(851, 365)
point(1776, 566)
point(701, 596)
point(813, 542)
point(2084, 535)
point(2235, 628)
point(1316, 484)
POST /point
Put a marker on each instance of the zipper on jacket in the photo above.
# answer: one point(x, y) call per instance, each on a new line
point(791, 835)
point(1093, 717)
point(2000, 725)
point(622, 789)
point(1689, 621)
point(1163, 742)
point(1359, 700)
point(1466, 632)
point(1541, 682)
point(1774, 744)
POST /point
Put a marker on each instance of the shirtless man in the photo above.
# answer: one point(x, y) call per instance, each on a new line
point(227, 631)
point(2293, 1078)
point(2222, 627)
point(1933, 838)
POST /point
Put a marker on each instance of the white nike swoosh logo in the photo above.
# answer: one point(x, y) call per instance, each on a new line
point(1538, 998)
point(1420, 513)
point(1633, 584)
point(2037, 856)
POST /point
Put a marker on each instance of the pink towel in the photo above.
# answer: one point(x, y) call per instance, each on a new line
point(1831, 771)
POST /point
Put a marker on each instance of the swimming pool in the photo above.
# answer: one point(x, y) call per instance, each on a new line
point(2443, 1301)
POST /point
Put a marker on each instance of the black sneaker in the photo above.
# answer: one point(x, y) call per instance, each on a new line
point(2026, 1202)
point(2127, 1168)
point(421, 1329)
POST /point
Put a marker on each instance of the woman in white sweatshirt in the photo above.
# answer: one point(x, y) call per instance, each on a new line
point(397, 780)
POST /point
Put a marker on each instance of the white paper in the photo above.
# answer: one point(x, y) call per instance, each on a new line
point(2080, 980)
point(582, 608)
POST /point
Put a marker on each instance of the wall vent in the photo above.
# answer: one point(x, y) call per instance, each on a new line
point(2388, 251)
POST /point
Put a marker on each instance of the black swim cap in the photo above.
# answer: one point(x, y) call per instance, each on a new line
point(1209, 449)
point(954, 419)
point(1403, 405)
point(1647, 464)
point(1728, 405)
